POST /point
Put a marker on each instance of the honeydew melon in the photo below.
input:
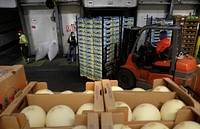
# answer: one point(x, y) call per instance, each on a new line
point(35, 115)
point(88, 92)
point(170, 108)
point(145, 112)
point(67, 92)
point(161, 89)
point(60, 115)
point(122, 104)
point(138, 89)
point(187, 125)
point(44, 91)
point(154, 125)
point(86, 106)
point(116, 88)
point(117, 126)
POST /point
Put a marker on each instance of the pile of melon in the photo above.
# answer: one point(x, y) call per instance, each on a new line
point(157, 125)
point(47, 91)
point(155, 89)
point(60, 115)
point(182, 125)
point(147, 111)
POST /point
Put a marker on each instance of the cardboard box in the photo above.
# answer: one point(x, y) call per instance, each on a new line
point(74, 101)
point(133, 99)
point(12, 79)
point(178, 89)
point(108, 119)
point(19, 121)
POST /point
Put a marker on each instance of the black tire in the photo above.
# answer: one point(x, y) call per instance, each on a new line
point(126, 79)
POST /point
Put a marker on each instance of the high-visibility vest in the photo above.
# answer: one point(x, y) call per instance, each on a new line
point(70, 38)
point(23, 39)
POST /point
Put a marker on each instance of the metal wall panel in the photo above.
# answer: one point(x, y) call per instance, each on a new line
point(183, 9)
point(8, 4)
point(159, 11)
point(68, 17)
point(39, 25)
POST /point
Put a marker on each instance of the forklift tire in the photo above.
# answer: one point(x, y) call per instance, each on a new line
point(126, 79)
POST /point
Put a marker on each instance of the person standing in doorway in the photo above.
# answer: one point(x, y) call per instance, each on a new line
point(23, 45)
point(72, 48)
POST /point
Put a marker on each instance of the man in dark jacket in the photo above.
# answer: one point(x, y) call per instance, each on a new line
point(72, 48)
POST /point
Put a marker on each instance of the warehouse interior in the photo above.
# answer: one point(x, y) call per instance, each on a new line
point(99, 64)
point(42, 23)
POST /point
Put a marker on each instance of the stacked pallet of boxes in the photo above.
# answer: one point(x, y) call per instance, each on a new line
point(110, 41)
point(128, 22)
point(97, 50)
point(89, 48)
point(98, 46)
point(116, 34)
point(82, 46)
point(86, 53)
point(190, 29)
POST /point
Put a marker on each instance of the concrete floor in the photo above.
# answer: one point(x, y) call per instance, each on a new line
point(58, 74)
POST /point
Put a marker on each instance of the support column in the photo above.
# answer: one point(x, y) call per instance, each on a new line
point(59, 29)
point(170, 13)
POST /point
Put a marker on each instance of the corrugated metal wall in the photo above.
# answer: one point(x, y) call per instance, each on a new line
point(9, 47)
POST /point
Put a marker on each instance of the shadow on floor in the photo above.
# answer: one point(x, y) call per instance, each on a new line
point(58, 74)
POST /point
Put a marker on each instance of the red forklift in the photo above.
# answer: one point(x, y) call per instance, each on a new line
point(178, 66)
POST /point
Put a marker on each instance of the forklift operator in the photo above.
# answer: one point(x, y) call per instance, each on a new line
point(152, 52)
point(163, 44)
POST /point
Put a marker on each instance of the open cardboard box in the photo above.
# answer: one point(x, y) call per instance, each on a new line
point(12, 80)
point(19, 121)
point(109, 119)
point(74, 101)
point(176, 88)
point(133, 99)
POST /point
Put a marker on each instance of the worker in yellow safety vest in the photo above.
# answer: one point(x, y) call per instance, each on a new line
point(23, 45)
